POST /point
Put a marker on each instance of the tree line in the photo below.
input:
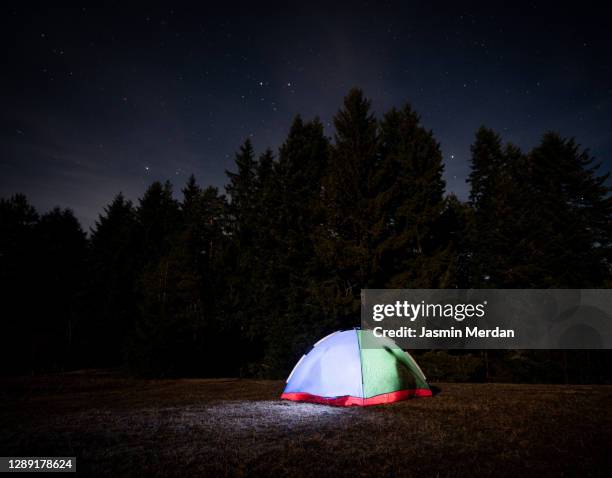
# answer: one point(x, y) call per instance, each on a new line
point(242, 283)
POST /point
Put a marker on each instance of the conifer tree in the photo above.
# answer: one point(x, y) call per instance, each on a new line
point(61, 254)
point(214, 216)
point(214, 271)
point(241, 190)
point(492, 198)
point(171, 317)
point(158, 217)
point(454, 224)
point(572, 209)
point(344, 241)
point(18, 268)
point(191, 200)
point(265, 200)
point(293, 205)
point(114, 268)
point(486, 163)
point(411, 247)
point(242, 256)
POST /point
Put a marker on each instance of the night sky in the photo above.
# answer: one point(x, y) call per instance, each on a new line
point(100, 101)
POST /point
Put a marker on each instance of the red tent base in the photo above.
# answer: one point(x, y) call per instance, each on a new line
point(349, 401)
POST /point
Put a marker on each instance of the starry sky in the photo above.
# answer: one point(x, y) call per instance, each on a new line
point(97, 101)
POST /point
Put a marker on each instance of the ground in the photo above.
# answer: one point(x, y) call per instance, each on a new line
point(118, 426)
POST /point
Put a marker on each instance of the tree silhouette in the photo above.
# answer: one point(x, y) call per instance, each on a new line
point(167, 286)
point(114, 266)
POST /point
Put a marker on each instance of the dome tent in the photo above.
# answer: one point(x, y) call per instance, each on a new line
point(338, 370)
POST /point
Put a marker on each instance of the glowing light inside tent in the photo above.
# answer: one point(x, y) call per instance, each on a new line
point(332, 368)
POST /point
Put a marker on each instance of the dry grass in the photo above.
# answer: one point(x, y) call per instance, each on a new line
point(118, 426)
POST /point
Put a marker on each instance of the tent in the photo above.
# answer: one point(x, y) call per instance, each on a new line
point(340, 370)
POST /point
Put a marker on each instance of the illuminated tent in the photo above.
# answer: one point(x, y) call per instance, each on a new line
point(341, 370)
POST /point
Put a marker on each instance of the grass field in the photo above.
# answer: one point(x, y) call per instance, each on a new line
point(118, 426)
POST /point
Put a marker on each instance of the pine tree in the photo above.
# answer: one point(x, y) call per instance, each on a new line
point(505, 226)
point(193, 222)
point(493, 186)
point(241, 190)
point(572, 209)
point(293, 208)
point(203, 212)
point(266, 203)
point(486, 163)
point(242, 255)
point(411, 247)
point(159, 220)
point(18, 268)
point(302, 164)
point(191, 201)
point(114, 267)
point(539, 220)
point(453, 259)
point(61, 254)
point(344, 241)
point(171, 318)
point(214, 215)
point(158, 217)
point(200, 248)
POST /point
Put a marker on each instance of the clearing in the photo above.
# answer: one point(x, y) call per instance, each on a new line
point(119, 426)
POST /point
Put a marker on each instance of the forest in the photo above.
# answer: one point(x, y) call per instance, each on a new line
point(242, 282)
